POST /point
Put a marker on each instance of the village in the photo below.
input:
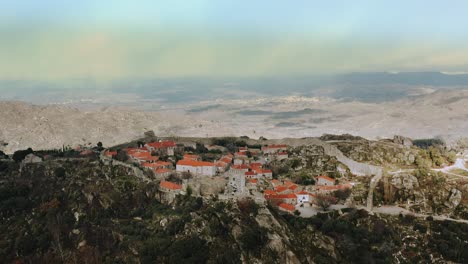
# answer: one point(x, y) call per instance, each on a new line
point(245, 171)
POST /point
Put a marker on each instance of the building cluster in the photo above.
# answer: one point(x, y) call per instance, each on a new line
point(288, 195)
point(247, 171)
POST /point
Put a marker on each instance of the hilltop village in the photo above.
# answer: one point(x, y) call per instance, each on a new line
point(245, 173)
point(211, 200)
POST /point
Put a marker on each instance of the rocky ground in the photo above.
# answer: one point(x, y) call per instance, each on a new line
point(81, 210)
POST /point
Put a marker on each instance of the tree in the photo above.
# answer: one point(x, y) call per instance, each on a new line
point(342, 194)
point(189, 191)
point(325, 201)
point(99, 146)
point(122, 156)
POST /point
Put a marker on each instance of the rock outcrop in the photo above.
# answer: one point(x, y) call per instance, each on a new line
point(401, 140)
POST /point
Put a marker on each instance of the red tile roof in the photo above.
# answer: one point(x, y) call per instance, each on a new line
point(254, 181)
point(281, 188)
point(275, 182)
point(255, 165)
point(275, 146)
point(302, 192)
point(162, 144)
point(292, 187)
point(288, 207)
point(334, 187)
point(288, 183)
point(162, 170)
point(226, 160)
point(133, 150)
point(269, 192)
point(140, 155)
point(240, 167)
point(195, 163)
point(250, 173)
point(170, 185)
point(281, 196)
point(191, 156)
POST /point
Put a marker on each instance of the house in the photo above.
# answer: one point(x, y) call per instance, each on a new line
point(293, 187)
point(162, 147)
point(239, 169)
point(275, 182)
point(250, 175)
point(241, 160)
point(325, 189)
point(253, 181)
point(288, 183)
point(243, 149)
point(289, 198)
point(241, 154)
point(269, 192)
point(167, 186)
point(325, 180)
point(196, 167)
point(281, 155)
point(223, 163)
point(162, 172)
point(168, 191)
point(191, 157)
point(264, 173)
point(157, 164)
point(140, 156)
point(255, 166)
point(286, 207)
point(282, 189)
point(271, 149)
point(303, 197)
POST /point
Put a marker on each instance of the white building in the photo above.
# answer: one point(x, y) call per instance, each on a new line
point(196, 167)
point(303, 197)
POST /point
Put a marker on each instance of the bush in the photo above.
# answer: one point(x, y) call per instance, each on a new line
point(248, 206)
point(342, 194)
point(325, 201)
point(253, 239)
point(60, 172)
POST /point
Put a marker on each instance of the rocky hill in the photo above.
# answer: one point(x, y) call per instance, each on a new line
point(81, 210)
point(439, 113)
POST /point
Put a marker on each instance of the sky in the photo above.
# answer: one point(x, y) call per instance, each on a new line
point(65, 39)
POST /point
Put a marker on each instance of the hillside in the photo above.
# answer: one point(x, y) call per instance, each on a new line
point(50, 126)
point(84, 211)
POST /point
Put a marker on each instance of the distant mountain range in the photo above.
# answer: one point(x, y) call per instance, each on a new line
point(367, 86)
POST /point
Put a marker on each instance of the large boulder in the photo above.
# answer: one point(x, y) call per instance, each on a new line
point(405, 187)
point(31, 158)
point(401, 140)
point(454, 198)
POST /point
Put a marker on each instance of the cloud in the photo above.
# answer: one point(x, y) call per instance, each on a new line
point(111, 53)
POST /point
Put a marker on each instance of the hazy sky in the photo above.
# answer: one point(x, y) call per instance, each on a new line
point(117, 39)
